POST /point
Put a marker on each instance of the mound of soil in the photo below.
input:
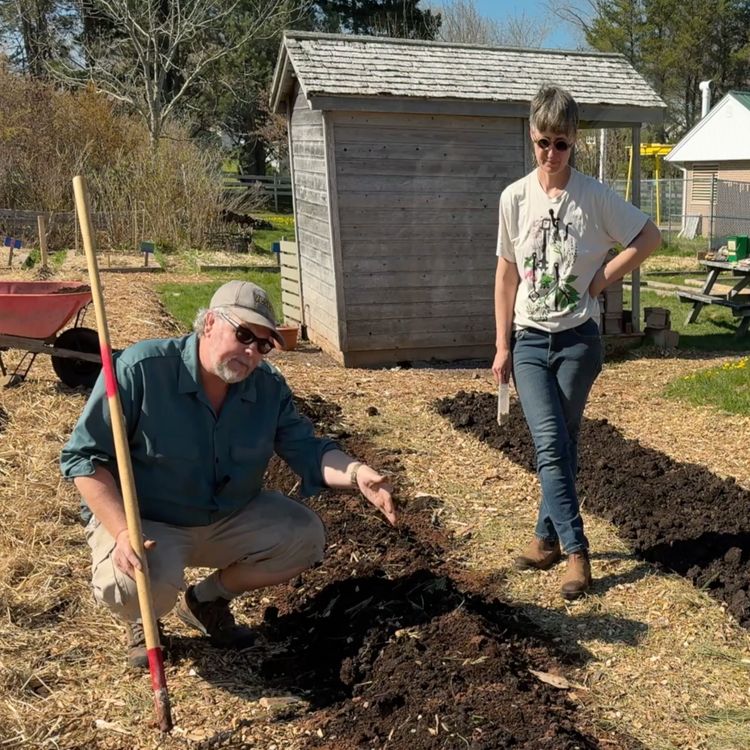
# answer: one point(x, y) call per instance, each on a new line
point(677, 515)
point(391, 647)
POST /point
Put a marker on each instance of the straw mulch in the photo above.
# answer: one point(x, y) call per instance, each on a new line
point(665, 664)
point(674, 263)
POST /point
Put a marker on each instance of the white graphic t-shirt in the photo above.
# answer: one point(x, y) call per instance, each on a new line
point(558, 244)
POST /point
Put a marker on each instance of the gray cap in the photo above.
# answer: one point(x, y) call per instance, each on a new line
point(249, 303)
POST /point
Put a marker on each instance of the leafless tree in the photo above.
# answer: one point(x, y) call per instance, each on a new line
point(520, 30)
point(577, 15)
point(159, 49)
point(273, 130)
point(462, 23)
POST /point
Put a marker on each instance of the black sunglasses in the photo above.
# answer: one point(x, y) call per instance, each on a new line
point(246, 337)
point(560, 144)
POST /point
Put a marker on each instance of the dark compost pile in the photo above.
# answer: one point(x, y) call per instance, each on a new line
point(392, 647)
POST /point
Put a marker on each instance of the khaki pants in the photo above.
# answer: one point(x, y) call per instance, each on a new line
point(273, 534)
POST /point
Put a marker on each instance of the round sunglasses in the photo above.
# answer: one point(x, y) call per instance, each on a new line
point(246, 337)
point(560, 144)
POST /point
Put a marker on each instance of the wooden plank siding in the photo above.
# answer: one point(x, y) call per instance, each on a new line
point(311, 196)
point(418, 203)
point(734, 170)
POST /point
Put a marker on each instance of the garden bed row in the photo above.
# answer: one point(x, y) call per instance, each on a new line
point(679, 516)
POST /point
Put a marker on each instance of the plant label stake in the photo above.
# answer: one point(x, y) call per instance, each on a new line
point(122, 453)
point(503, 403)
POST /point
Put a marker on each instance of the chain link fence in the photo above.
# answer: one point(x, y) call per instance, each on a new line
point(704, 207)
point(730, 211)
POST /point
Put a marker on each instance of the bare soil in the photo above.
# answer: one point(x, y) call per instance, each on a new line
point(680, 516)
point(393, 646)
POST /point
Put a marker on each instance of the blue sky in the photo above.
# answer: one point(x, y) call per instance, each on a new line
point(561, 35)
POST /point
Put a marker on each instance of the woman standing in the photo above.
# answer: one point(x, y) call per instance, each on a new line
point(556, 227)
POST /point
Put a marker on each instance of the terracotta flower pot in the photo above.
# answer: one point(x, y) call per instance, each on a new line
point(290, 335)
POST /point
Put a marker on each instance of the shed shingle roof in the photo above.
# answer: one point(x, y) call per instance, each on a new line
point(343, 65)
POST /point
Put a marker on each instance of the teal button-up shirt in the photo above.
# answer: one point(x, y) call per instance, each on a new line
point(192, 467)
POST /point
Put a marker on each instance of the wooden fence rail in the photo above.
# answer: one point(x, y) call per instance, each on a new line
point(291, 293)
point(274, 186)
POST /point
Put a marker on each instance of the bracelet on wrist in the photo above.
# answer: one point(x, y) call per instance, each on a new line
point(353, 473)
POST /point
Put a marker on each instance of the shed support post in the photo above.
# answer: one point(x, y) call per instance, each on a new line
point(41, 221)
point(635, 176)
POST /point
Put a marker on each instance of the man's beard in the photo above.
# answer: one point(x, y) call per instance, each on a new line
point(230, 375)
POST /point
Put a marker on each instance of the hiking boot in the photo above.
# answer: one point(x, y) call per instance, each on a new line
point(540, 554)
point(136, 636)
point(215, 620)
point(577, 579)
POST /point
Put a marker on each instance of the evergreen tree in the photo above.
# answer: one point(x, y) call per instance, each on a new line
point(674, 44)
point(394, 18)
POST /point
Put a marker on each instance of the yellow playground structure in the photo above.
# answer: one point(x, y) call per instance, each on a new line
point(657, 150)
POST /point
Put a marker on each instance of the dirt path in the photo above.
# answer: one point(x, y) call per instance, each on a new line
point(654, 657)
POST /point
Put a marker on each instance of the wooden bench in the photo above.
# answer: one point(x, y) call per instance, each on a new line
point(740, 308)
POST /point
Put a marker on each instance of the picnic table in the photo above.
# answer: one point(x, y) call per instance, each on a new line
point(737, 302)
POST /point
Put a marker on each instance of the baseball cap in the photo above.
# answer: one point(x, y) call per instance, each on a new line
point(249, 303)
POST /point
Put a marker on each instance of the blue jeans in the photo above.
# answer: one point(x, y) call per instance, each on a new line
point(553, 373)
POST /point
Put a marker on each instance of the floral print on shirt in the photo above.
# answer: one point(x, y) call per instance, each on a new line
point(548, 270)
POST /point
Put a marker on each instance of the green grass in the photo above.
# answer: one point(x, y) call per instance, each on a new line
point(162, 258)
point(283, 228)
point(714, 330)
point(182, 301)
point(727, 387)
point(678, 246)
point(231, 165)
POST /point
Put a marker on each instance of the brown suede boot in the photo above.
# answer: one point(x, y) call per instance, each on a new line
point(540, 554)
point(215, 620)
point(577, 579)
point(136, 640)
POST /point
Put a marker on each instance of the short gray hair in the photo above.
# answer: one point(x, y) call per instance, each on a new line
point(199, 324)
point(554, 110)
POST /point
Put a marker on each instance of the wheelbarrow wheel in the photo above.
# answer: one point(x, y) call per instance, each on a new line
point(77, 372)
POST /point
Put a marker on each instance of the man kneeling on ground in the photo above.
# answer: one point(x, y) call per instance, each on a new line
point(204, 413)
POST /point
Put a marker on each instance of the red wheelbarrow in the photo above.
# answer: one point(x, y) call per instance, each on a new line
point(31, 315)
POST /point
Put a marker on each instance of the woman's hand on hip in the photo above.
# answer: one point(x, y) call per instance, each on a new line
point(598, 283)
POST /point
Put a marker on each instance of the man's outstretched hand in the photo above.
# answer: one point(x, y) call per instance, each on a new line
point(378, 490)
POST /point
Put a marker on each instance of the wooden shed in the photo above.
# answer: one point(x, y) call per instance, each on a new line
point(399, 151)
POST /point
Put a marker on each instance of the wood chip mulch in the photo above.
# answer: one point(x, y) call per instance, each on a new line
point(667, 664)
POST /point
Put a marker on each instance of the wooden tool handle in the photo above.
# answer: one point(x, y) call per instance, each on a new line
point(124, 466)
